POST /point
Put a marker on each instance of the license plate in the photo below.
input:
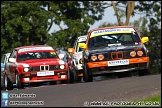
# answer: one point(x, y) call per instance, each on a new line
point(62, 76)
point(118, 62)
point(45, 73)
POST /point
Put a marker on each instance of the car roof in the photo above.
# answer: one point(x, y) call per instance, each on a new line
point(82, 36)
point(112, 27)
point(32, 46)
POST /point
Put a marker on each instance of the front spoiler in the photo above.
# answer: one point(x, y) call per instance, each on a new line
point(115, 71)
point(43, 79)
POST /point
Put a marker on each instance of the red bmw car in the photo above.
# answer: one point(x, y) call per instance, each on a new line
point(34, 65)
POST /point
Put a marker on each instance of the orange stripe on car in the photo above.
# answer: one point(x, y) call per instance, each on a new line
point(105, 63)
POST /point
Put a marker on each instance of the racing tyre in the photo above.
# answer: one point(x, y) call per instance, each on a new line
point(79, 79)
point(2, 82)
point(86, 76)
point(19, 84)
point(73, 76)
point(8, 83)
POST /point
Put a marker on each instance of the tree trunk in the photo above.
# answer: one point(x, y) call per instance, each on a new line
point(116, 13)
point(130, 9)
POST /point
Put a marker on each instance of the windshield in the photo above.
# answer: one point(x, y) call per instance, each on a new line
point(106, 40)
point(36, 55)
point(78, 48)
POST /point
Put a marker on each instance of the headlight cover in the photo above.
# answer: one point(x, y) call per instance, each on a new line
point(100, 57)
point(62, 66)
point(132, 53)
point(93, 58)
point(139, 53)
point(26, 69)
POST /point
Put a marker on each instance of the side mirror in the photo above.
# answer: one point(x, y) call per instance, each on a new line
point(71, 50)
point(82, 45)
point(145, 39)
point(12, 60)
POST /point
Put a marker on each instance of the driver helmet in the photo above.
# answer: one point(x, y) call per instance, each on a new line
point(38, 55)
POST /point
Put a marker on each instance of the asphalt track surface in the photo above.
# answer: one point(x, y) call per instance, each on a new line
point(79, 94)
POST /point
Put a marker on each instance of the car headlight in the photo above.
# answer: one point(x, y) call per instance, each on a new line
point(100, 57)
point(139, 53)
point(62, 66)
point(132, 53)
point(26, 69)
point(94, 58)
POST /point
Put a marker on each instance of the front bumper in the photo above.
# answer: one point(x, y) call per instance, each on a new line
point(32, 77)
point(103, 67)
point(79, 67)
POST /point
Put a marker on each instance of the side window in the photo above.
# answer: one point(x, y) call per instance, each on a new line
point(13, 54)
point(126, 38)
point(7, 58)
point(135, 37)
point(75, 46)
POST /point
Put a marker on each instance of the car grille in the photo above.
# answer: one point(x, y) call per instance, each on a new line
point(39, 68)
point(117, 55)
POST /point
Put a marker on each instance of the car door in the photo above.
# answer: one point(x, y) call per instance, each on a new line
point(12, 67)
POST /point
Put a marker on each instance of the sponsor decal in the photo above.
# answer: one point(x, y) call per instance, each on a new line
point(82, 39)
point(35, 48)
point(111, 31)
point(45, 73)
point(118, 62)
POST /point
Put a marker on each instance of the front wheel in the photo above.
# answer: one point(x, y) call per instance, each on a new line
point(73, 76)
point(8, 83)
point(19, 84)
point(86, 76)
point(2, 82)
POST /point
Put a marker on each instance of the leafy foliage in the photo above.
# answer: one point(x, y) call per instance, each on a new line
point(28, 22)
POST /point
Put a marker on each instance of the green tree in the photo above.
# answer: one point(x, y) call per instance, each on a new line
point(28, 22)
point(24, 23)
point(76, 16)
point(126, 10)
point(106, 24)
point(152, 29)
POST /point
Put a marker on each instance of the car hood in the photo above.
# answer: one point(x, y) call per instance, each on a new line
point(41, 62)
